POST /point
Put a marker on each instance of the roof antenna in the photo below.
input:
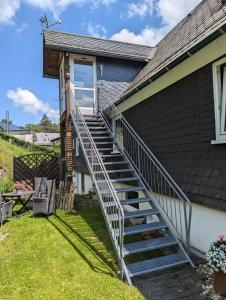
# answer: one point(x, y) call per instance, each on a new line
point(45, 23)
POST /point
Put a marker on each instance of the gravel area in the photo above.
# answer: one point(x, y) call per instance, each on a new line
point(207, 286)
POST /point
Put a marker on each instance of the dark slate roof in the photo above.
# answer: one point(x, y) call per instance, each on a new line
point(205, 19)
point(11, 126)
point(57, 40)
point(114, 90)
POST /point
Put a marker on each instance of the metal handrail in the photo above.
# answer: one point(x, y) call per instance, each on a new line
point(155, 177)
point(99, 173)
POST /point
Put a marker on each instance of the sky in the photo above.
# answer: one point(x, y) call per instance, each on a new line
point(23, 90)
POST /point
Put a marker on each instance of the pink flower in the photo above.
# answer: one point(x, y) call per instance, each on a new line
point(221, 237)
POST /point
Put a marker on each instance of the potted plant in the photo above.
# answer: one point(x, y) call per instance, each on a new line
point(216, 256)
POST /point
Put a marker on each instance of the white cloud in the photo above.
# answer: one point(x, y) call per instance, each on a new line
point(8, 9)
point(140, 9)
point(170, 12)
point(149, 36)
point(23, 26)
point(30, 103)
point(96, 30)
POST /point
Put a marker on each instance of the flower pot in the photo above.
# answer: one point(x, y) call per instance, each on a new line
point(220, 283)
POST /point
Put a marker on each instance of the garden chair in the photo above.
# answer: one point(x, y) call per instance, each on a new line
point(44, 200)
point(6, 210)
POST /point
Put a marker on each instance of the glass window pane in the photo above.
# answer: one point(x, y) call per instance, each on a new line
point(83, 74)
point(84, 98)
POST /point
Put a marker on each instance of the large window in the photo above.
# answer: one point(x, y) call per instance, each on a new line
point(219, 82)
point(83, 80)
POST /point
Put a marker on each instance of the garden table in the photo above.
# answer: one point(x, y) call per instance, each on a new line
point(17, 197)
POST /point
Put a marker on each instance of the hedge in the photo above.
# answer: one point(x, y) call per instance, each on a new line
point(27, 145)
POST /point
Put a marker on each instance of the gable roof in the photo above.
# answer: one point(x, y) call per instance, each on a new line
point(63, 41)
point(3, 126)
point(205, 19)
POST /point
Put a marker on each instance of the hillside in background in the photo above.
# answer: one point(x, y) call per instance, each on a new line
point(7, 152)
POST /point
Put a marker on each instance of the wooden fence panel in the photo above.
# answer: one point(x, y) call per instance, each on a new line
point(26, 168)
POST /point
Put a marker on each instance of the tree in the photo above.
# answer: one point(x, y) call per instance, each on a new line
point(5, 121)
point(45, 122)
point(45, 125)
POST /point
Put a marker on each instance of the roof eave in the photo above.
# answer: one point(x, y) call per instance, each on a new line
point(96, 53)
point(190, 51)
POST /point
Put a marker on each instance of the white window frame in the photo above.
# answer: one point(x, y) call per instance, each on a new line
point(76, 147)
point(94, 89)
point(62, 86)
point(219, 101)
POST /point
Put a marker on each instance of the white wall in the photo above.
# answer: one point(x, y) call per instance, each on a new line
point(78, 183)
point(206, 225)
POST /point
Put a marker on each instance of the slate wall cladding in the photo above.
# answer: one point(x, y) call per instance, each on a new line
point(117, 70)
point(178, 125)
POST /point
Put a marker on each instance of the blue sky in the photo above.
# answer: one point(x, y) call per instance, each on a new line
point(23, 90)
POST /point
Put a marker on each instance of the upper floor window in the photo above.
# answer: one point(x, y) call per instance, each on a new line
point(219, 82)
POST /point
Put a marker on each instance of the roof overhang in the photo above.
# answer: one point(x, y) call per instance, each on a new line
point(177, 59)
point(52, 48)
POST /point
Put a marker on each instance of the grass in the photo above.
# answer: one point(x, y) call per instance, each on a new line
point(67, 256)
point(7, 152)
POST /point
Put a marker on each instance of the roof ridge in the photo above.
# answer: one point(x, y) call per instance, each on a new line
point(181, 21)
point(99, 38)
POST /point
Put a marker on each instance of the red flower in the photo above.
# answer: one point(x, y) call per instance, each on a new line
point(221, 237)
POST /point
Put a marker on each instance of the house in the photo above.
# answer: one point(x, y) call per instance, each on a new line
point(3, 127)
point(45, 138)
point(147, 125)
point(21, 133)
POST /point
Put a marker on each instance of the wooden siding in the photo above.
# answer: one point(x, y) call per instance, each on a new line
point(178, 125)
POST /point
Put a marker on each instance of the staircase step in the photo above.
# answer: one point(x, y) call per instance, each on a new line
point(134, 201)
point(141, 213)
point(120, 171)
point(112, 155)
point(109, 155)
point(98, 132)
point(94, 123)
point(105, 149)
point(152, 244)
point(116, 162)
point(117, 171)
point(130, 189)
point(156, 264)
point(134, 214)
point(124, 190)
point(144, 227)
point(102, 137)
point(99, 143)
point(95, 128)
point(92, 119)
point(126, 179)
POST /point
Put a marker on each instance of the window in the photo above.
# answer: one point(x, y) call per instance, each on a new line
point(118, 130)
point(76, 147)
point(61, 88)
point(83, 79)
point(219, 82)
point(82, 182)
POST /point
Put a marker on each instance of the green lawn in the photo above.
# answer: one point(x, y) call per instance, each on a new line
point(67, 256)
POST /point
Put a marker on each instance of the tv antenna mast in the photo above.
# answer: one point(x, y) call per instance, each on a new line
point(45, 23)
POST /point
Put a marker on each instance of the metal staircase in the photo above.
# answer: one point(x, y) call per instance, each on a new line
point(148, 221)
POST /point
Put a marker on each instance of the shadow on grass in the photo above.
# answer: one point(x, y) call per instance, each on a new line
point(109, 267)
